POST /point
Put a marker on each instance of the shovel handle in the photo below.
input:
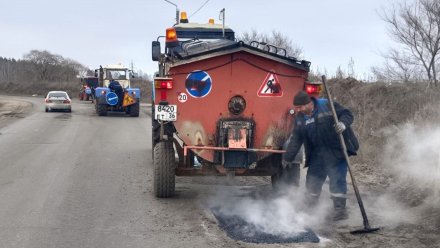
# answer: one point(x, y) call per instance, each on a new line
point(344, 148)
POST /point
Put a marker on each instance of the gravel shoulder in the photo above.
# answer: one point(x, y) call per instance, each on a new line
point(13, 109)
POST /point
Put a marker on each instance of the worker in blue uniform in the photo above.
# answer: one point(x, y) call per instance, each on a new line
point(316, 129)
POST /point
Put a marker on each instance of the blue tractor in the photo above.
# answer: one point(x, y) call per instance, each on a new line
point(115, 93)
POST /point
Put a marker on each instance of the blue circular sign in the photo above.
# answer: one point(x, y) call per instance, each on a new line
point(198, 84)
point(111, 98)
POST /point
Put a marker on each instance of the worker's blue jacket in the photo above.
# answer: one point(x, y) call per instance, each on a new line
point(317, 132)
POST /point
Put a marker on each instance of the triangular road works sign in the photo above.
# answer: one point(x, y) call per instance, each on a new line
point(128, 100)
point(270, 87)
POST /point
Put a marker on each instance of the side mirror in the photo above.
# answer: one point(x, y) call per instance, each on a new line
point(155, 50)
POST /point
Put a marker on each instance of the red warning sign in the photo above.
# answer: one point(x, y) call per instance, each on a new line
point(271, 86)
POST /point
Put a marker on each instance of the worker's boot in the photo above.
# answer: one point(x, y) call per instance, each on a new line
point(339, 205)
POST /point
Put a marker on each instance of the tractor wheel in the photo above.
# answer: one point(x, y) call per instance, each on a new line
point(134, 110)
point(288, 176)
point(101, 109)
point(164, 169)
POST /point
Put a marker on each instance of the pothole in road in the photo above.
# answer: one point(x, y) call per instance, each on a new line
point(238, 228)
point(64, 117)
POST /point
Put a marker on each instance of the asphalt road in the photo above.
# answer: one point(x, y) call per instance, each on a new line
point(80, 180)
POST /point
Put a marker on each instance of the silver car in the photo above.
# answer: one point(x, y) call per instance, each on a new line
point(58, 100)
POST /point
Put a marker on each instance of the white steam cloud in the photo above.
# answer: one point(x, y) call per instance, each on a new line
point(413, 154)
point(283, 214)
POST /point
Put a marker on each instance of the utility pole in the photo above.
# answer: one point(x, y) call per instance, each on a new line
point(222, 18)
point(177, 10)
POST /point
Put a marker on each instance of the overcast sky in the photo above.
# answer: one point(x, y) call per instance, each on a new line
point(95, 32)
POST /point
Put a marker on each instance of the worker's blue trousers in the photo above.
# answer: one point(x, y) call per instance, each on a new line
point(325, 165)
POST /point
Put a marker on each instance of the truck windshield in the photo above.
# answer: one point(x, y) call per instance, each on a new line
point(116, 74)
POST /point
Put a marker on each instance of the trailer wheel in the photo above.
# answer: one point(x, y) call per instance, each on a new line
point(134, 110)
point(101, 109)
point(164, 169)
point(288, 176)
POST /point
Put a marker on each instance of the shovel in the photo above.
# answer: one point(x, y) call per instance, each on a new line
point(367, 228)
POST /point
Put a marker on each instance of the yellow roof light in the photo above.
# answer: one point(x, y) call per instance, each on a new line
point(183, 17)
point(211, 21)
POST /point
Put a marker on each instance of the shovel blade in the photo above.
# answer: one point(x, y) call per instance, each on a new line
point(365, 230)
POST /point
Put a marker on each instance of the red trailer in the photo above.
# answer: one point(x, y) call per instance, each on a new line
point(223, 105)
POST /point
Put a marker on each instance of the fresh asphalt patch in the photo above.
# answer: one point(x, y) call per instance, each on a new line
point(239, 229)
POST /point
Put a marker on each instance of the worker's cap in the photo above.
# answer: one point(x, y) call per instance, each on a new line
point(301, 98)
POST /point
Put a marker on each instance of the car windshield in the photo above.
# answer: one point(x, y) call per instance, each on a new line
point(57, 94)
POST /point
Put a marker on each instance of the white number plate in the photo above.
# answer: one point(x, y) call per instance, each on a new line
point(165, 112)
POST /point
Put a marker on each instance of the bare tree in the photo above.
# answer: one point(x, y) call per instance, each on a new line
point(398, 67)
point(417, 28)
point(43, 61)
point(276, 38)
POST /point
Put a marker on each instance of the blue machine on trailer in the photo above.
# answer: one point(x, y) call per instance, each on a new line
point(115, 93)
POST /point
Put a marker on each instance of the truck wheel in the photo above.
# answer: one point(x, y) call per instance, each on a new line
point(101, 109)
point(164, 169)
point(134, 110)
point(288, 176)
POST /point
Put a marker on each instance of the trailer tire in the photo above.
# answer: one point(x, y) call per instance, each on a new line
point(164, 169)
point(101, 109)
point(288, 176)
point(134, 110)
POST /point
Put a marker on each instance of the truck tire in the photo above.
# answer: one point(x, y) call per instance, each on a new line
point(134, 110)
point(288, 176)
point(101, 109)
point(164, 169)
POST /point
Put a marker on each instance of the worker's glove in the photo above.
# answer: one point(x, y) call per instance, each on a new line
point(285, 164)
point(339, 127)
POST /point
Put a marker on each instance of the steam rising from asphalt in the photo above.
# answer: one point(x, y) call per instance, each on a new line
point(412, 155)
point(281, 214)
point(412, 159)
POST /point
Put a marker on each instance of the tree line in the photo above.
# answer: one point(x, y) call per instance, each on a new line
point(40, 66)
point(40, 71)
